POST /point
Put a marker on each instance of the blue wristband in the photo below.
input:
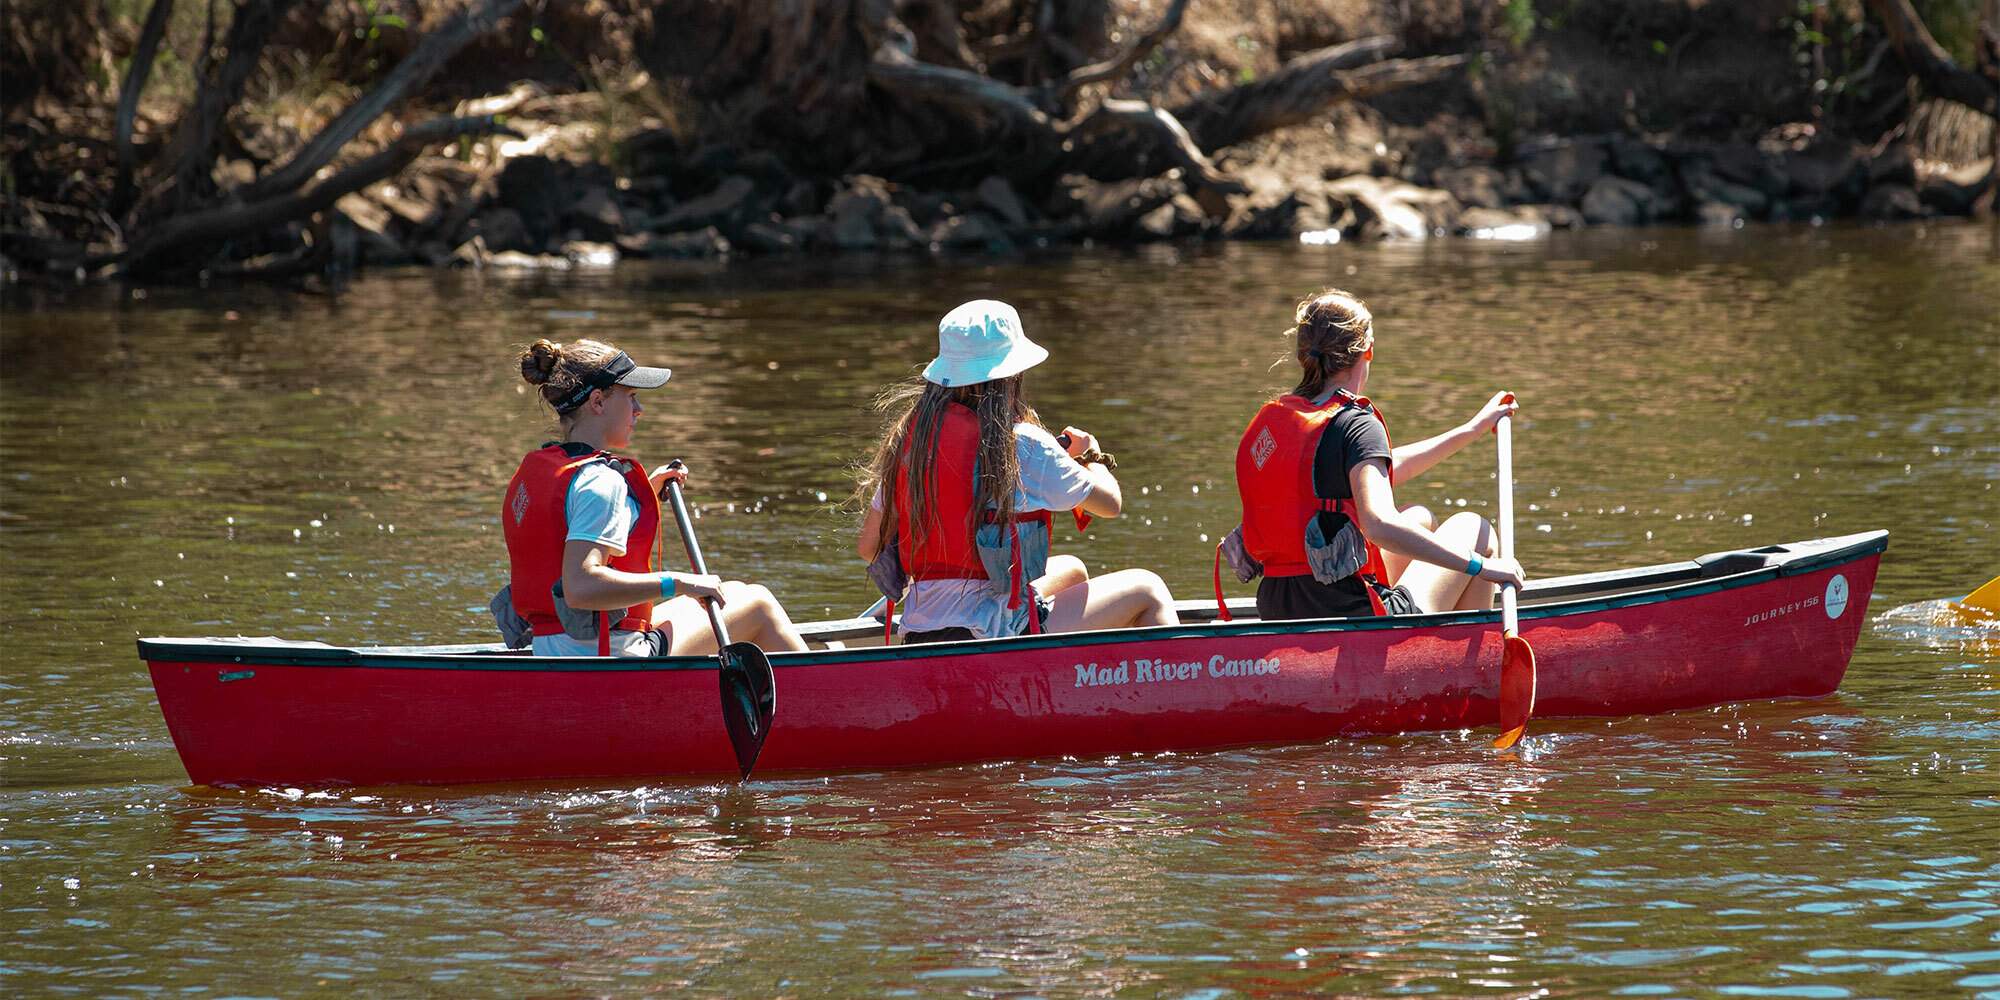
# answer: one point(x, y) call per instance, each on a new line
point(1474, 565)
point(666, 586)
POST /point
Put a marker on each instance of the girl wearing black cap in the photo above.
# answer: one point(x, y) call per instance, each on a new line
point(581, 521)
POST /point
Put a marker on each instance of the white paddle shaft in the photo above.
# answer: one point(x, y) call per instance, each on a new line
point(1504, 433)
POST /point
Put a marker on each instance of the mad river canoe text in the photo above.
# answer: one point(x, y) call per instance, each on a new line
point(1159, 671)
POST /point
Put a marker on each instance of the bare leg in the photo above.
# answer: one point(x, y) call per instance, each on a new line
point(1063, 573)
point(1437, 588)
point(1129, 597)
point(748, 610)
point(1395, 562)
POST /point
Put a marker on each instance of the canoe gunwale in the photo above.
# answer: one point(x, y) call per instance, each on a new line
point(1599, 592)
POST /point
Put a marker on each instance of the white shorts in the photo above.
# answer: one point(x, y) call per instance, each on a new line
point(652, 642)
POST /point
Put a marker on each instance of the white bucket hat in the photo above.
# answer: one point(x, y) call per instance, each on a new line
point(981, 341)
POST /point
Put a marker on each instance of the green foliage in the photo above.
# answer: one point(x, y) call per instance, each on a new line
point(1828, 47)
point(1955, 25)
point(376, 22)
point(1517, 21)
point(615, 114)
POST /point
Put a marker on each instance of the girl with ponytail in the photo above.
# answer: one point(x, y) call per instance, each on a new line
point(1316, 475)
point(580, 518)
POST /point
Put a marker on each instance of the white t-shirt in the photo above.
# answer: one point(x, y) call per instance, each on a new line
point(1050, 480)
point(601, 510)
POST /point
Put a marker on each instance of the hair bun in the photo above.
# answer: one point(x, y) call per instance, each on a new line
point(539, 360)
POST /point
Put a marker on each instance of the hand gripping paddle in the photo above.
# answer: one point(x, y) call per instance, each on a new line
point(1517, 658)
point(749, 690)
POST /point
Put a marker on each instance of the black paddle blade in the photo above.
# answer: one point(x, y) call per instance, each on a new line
point(749, 701)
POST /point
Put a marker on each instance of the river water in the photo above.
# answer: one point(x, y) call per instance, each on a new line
point(243, 461)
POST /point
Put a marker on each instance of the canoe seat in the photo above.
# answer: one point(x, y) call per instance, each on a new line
point(1740, 561)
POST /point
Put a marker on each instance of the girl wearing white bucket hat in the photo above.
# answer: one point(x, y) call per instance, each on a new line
point(963, 486)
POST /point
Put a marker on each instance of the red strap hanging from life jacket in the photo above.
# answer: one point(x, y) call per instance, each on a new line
point(1221, 606)
point(1014, 582)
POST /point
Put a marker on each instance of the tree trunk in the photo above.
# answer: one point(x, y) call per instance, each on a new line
point(128, 97)
point(224, 222)
point(1933, 66)
point(191, 152)
point(1304, 88)
point(411, 72)
point(784, 76)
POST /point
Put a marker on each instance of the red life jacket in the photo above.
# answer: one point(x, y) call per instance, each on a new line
point(949, 551)
point(1274, 478)
point(535, 520)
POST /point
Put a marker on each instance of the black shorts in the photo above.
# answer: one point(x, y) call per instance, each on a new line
point(1398, 600)
point(1290, 598)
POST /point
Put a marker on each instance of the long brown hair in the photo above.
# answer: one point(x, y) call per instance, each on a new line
point(919, 407)
point(1332, 330)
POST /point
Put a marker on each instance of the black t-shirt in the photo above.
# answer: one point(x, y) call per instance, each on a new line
point(1352, 437)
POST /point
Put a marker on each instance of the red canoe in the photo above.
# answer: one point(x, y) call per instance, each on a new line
point(1773, 622)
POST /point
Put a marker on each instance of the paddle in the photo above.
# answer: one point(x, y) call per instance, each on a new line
point(1517, 658)
point(1986, 598)
point(749, 690)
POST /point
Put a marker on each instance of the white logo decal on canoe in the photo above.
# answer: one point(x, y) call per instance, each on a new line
point(1836, 595)
point(1163, 672)
point(520, 503)
point(1261, 449)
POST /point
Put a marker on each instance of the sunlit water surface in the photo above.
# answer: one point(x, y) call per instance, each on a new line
point(240, 461)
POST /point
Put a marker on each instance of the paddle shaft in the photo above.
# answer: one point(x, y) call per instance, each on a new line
point(1503, 432)
point(743, 676)
point(694, 557)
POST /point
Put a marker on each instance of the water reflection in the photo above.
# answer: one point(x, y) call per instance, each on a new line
point(235, 461)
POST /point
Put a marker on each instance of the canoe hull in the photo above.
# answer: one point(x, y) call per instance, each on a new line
point(257, 718)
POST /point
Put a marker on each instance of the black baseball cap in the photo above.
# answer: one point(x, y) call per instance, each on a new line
point(621, 370)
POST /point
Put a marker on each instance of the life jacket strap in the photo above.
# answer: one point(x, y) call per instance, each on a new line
point(1221, 606)
point(1374, 599)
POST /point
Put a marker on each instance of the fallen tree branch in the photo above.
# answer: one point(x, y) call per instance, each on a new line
point(895, 72)
point(412, 71)
point(274, 267)
point(1930, 63)
point(1166, 133)
point(1117, 66)
point(191, 152)
point(1303, 88)
point(128, 96)
point(243, 219)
